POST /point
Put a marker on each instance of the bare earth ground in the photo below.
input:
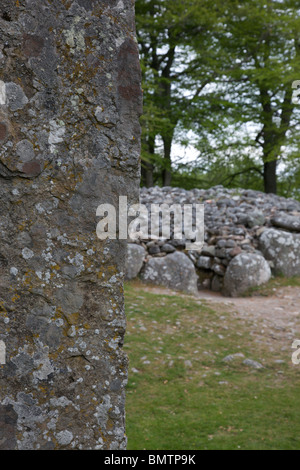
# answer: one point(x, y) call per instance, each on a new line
point(274, 320)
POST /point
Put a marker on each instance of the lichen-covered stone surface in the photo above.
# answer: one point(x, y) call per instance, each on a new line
point(70, 100)
point(175, 271)
point(283, 249)
point(244, 271)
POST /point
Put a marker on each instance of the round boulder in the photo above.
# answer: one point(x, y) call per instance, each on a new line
point(246, 270)
point(175, 271)
point(283, 249)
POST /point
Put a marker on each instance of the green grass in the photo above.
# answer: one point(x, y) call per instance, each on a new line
point(274, 284)
point(182, 396)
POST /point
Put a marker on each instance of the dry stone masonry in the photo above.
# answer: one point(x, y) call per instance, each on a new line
point(70, 100)
point(248, 236)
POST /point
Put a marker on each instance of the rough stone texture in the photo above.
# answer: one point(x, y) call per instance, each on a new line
point(245, 271)
point(175, 271)
point(283, 249)
point(287, 222)
point(204, 262)
point(234, 221)
point(70, 100)
point(135, 259)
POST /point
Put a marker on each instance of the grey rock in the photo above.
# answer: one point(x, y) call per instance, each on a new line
point(178, 243)
point(15, 96)
point(134, 261)
point(218, 269)
point(221, 252)
point(253, 364)
point(255, 218)
point(167, 248)
point(246, 270)
point(232, 357)
point(287, 222)
point(209, 251)
point(175, 271)
point(70, 102)
point(217, 283)
point(230, 243)
point(153, 250)
point(204, 262)
point(283, 249)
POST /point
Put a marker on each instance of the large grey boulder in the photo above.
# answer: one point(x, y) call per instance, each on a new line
point(287, 222)
point(175, 271)
point(283, 249)
point(246, 270)
point(134, 261)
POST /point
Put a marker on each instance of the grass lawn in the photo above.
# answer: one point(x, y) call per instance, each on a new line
point(274, 283)
point(181, 395)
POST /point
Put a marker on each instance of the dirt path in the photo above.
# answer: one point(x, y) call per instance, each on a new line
point(274, 319)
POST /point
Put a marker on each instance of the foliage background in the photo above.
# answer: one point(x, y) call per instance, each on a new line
point(219, 76)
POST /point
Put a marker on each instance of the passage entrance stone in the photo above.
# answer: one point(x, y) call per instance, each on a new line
point(70, 101)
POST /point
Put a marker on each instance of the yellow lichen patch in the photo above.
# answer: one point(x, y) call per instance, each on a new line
point(15, 298)
point(57, 353)
point(109, 425)
point(2, 308)
point(28, 279)
point(72, 318)
point(22, 226)
point(56, 267)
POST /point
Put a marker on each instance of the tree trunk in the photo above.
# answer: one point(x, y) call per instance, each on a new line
point(147, 175)
point(270, 177)
point(147, 167)
point(70, 101)
point(167, 170)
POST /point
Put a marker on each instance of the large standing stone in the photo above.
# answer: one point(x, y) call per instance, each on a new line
point(175, 271)
point(70, 99)
point(135, 259)
point(283, 249)
point(246, 270)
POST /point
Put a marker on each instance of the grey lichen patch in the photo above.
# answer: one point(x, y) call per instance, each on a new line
point(25, 150)
point(15, 96)
point(56, 135)
point(64, 437)
point(2, 93)
point(2, 352)
point(75, 37)
point(27, 253)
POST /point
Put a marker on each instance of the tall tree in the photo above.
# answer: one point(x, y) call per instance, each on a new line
point(260, 45)
point(173, 74)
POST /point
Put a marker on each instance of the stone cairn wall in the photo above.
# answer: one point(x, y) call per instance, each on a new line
point(248, 236)
point(70, 100)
